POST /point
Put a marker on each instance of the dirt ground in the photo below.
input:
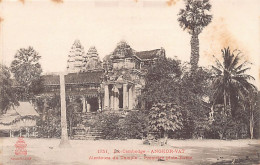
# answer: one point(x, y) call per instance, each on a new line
point(120, 152)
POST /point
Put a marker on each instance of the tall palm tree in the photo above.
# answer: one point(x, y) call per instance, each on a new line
point(27, 69)
point(230, 79)
point(194, 18)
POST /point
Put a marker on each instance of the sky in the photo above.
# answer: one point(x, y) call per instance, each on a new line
point(51, 28)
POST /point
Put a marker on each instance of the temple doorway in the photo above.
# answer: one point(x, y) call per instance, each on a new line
point(93, 102)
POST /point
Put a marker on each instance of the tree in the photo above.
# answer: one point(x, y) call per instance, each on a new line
point(7, 94)
point(194, 93)
point(194, 18)
point(165, 117)
point(168, 82)
point(73, 114)
point(27, 70)
point(230, 82)
point(161, 82)
point(49, 109)
point(252, 109)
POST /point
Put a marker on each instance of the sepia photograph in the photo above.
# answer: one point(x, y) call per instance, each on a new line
point(122, 82)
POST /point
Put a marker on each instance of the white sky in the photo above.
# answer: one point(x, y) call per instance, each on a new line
point(51, 28)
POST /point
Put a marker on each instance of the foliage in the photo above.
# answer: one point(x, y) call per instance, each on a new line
point(165, 117)
point(73, 114)
point(168, 81)
point(7, 95)
point(50, 127)
point(27, 70)
point(160, 82)
point(225, 126)
point(49, 109)
point(194, 94)
point(194, 17)
point(251, 111)
point(230, 81)
point(135, 125)
point(108, 124)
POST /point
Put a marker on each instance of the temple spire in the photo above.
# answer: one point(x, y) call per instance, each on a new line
point(91, 59)
point(76, 57)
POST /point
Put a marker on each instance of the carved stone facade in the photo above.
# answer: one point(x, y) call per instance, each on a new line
point(113, 85)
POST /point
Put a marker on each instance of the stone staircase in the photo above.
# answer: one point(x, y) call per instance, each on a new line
point(86, 133)
point(82, 132)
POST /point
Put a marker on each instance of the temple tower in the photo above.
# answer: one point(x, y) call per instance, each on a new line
point(91, 59)
point(76, 58)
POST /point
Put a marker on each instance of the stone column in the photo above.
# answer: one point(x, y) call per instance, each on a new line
point(84, 104)
point(88, 106)
point(10, 133)
point(130, 98)
point(134, 96)
point(99, 103)
point(64, 129)
point(33, 133)
point(125, 96)
point(112, 99)
point(106, 97)
point(116, 98)
point(26, 132)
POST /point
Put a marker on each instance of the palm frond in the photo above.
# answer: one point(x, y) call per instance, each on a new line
point(242, 71)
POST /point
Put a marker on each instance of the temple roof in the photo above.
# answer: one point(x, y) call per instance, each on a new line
point(75, 78)
point(24, 109)
point(143, 55)
point(150, 54)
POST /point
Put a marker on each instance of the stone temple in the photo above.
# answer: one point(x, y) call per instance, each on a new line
point(92, 86)
point(113, 84)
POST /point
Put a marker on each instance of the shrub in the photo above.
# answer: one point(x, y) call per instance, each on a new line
point(136, 124)
point(108, 124)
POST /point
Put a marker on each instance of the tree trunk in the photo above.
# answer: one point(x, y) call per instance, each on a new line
point(70, 128)
point(44, 110)
point(64, 132)
point(194, 58)
point(165, 137)
point(220, 135)
point(229, 106)
point(251, 124)
point(225, 102)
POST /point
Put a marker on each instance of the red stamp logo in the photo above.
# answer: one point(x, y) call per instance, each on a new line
point(20, 147)
point(20, 150)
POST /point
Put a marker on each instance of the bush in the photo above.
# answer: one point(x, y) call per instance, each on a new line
point(136, 125)
point(115, 126)
point(49, 128)
point(108, 124)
